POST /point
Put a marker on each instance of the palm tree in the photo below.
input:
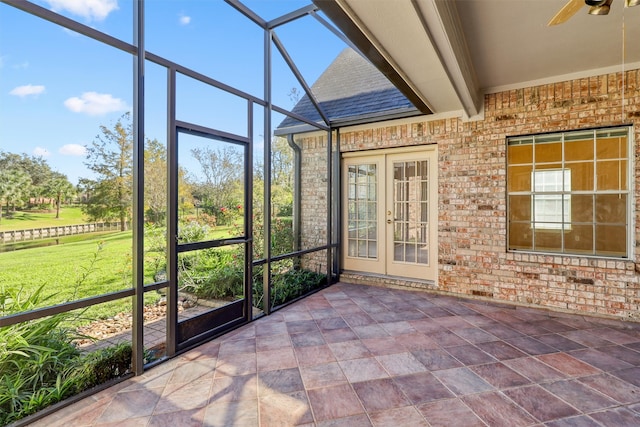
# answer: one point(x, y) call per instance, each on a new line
point(60, 187)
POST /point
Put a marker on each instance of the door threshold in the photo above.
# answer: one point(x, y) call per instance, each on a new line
point(375, 279)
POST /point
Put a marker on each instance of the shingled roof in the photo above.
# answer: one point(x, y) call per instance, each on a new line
point(351, 90)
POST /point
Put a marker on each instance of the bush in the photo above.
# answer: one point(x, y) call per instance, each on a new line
point(40, 363)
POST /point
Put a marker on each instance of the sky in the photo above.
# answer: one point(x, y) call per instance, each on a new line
point(57, 87)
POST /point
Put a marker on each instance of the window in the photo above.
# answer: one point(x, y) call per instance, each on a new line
point(569, 192)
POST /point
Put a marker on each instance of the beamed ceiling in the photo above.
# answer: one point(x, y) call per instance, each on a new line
point(444, 55)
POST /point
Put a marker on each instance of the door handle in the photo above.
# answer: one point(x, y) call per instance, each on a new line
point(389, 221)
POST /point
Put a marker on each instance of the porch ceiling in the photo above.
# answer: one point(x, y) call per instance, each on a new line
point(446, 54)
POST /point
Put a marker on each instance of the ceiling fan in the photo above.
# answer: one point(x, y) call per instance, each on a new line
point(596, 7)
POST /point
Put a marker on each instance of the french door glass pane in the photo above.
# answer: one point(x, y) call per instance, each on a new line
point(362, 205)
point(410, 207)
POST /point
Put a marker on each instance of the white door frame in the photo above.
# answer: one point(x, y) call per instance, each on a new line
point(366, 246)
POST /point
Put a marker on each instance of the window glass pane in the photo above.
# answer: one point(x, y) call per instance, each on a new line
point(520, 154)
point(612, 175)
point(611, 148)
point(548, 152)
point(611, 240)
point(556, 203)
point(581, 208)
point(519, 178)
point(578, 150)
point(611, 208)
point(520, 208)
point(579, 239)
point(520, 236)
point(547, 239)
point(581, 176)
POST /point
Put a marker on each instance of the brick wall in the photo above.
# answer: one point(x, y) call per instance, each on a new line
point(472, 258)
point(314, 175)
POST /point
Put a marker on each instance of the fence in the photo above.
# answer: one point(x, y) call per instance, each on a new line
point(49, 232)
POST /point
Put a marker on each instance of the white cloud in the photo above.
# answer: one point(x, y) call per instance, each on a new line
point(185, 20)
point(41, 152)
point(22, 66)
point(95, 104)
point(27, 90)
point(73, 150)
point(91, 10)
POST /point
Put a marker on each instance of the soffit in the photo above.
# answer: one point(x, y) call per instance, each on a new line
point(451, 52)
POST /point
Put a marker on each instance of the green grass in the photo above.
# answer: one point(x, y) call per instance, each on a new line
point(76, 270)
point(21, 220)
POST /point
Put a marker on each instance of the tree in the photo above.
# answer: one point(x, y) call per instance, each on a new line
point(14, 186)
point(282, 176)
point(35, 167)
point(155, 180)
point(110, 157)
point(223, 172)
point(60, 188)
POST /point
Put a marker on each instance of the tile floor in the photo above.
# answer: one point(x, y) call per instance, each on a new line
point(366, 356)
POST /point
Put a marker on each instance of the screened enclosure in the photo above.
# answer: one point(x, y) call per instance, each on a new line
point(212, 228)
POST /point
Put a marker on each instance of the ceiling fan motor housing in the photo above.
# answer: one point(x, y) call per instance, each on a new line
point(595, 2)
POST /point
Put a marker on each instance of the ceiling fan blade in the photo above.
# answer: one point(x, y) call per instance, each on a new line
point(571, 8)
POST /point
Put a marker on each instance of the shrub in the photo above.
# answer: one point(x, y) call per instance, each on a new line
point(40, 363)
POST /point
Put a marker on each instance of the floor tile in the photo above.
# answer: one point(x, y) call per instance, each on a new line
point(578, 421)
point(231, 413)
point(325, 375)
point(579, 395)
point(422, 388)
point(470, 355)
point(559, 342)
point(499, 375)
point(285, 409)
point(615, 388)
point(314, 355)
point(447, 339)
point(352, 421)
point(303, 365)
point(383, 346)
point(475, 335)
point(462, 381)
point(234, 388)
point(338, 401)
point(280, 381)
point(587, 339)
point(450, 413)
point(496, 410)
point(500, 350)
point(365, 369)
point(130, 404)
point(568, 365)
point(600, 360)
point(407, 416)
point(436, 359)
point(538, 402)
point(630, 375)
point(276, 359)
point(188, 418)
point(339, 335)
point(531, 346)
point(379, 395)
point(622, 353)
point(400, 363)
point(619, 417)
point(535, 370)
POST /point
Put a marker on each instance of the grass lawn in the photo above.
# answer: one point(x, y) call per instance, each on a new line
point(76, 270)
point(21, 220)
point(78, 267)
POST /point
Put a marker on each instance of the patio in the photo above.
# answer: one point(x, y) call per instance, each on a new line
point(355, 355)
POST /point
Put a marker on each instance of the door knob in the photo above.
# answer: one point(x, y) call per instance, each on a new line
point(389, 221)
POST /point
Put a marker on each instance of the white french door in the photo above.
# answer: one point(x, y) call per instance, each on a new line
point(390, 212)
